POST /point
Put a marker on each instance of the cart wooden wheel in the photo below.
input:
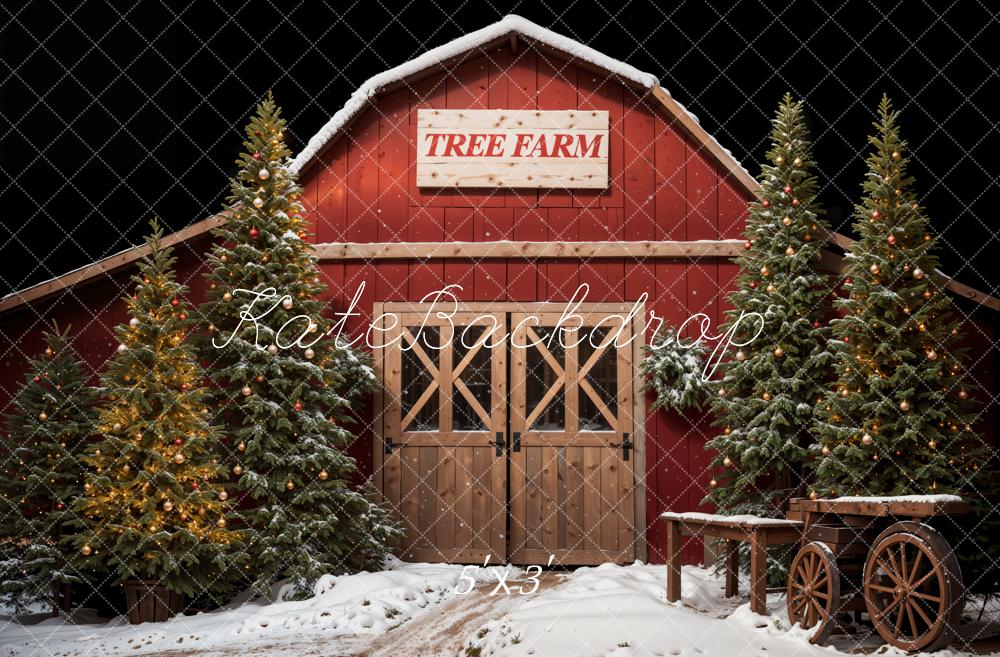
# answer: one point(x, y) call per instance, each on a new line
point(813, 595)
point(913, 587)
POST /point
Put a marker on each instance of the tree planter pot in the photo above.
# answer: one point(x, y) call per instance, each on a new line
point(149, 601)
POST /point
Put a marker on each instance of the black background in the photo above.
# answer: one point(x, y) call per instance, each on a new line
point(113, 114)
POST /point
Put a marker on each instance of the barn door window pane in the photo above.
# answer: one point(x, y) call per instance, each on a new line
point(545, 387)
point(599, 387)
point(419, 395)
point(471, 394)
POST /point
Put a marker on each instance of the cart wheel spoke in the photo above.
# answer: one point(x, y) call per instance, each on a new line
point(925, 596)
point(916, 605)
point(883, 589)
point(914, 633)
point(889, 571)
point(916, 565)
point(899, 622)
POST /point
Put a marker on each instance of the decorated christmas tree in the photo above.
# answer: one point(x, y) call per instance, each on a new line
point(154, 506)
point(898, 419)
point(285, 398)
point(765, 396)
point(52, 417)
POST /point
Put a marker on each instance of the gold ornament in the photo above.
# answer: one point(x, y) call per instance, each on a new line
point(962, 394)
point(797, 162)
point(813, 495)
point(237, 469)
point(740, 356)
point(242, 446)
point(932, 444)
point(904, 405)
point(918, 273)
point(825, 451)
point(771, 288)
point(778, 352)
point(290, 485)
point(867, 439)
point(895, 155)
point(264, 174)
point(766, 396)
point(178, 458)
point(86, 550)
point(712, 482)
point(931, 354)
point(220, 523)
point(323, 475)
point(789, 251)
point(764, 271)
point(787, 221)
point(727, 461)
point(780, 159)
point(309, 353)
point(87, 486)
point(874, 269)
point(43, 416)
point(227, 297)
point(168, 506)
point(223, 495)
point(727, 430)
point(246, 391)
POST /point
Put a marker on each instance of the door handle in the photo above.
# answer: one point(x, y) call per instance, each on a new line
point(516, 444)
point(389, 445)
point(499, 443)
point(626, 445)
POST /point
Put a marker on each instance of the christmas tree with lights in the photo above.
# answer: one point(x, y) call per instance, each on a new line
point(154, 505)
point(899, 418)
point(285, 395)
point(765, 397)
point(52, 417)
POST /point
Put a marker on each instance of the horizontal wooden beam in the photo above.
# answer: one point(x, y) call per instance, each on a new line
point(465, 250)
point(108, 265)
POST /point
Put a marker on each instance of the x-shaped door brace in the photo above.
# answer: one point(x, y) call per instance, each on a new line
point(457, 382)
point(581, 380)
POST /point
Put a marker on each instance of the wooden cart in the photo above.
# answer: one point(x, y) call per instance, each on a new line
point(878, 556)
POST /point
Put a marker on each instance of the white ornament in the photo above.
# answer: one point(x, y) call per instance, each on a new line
point(122, 348)
point(309, 353)
point(258, 202)
point(272, 349)
point(133, 322)
point(287, 303)
point(264, 174)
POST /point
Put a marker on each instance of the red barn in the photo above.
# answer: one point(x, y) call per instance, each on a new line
point(519, 165)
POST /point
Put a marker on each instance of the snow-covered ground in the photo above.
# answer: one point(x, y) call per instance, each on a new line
point(605, 611)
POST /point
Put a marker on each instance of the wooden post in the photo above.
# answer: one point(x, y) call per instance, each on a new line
point(758, 573)
point(732, 568)
point(673, 561)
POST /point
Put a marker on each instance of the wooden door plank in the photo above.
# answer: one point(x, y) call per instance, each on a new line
point(428, 510)
point(574, 498)
point(591, 497)
point(465, 465)
point(562, 499)
point(482, 507)
point(445, 529)
point(499, 400)
point(410, 500)
point(518, 499)
point(610, 508)
point(533, 493)
point(550, 497)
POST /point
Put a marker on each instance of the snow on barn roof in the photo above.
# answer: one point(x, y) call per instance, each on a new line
point(509, 24)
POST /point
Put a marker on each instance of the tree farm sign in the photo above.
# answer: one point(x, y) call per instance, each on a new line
point(512, 148)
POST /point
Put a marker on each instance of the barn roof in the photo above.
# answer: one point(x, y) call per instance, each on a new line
point(440, 59)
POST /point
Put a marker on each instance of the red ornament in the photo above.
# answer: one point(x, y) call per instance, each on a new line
point(753, 285)
point(184, 387)
point(788, 189)
point(182, 316)
point(849, 281)
point(178, 441)
point(847, 338)
point(891, 239)
point(256, 155)
point(298, 406)
point(795, 202)
point(765, 203)
point(876, 214)
point(254, 233)
point(60, 506)
point(194, 485)
point(816, 324)
point(747, 245)
point(37, 379)
point(175, 302)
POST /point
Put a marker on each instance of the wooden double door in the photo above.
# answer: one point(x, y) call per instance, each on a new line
point(509, 434)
